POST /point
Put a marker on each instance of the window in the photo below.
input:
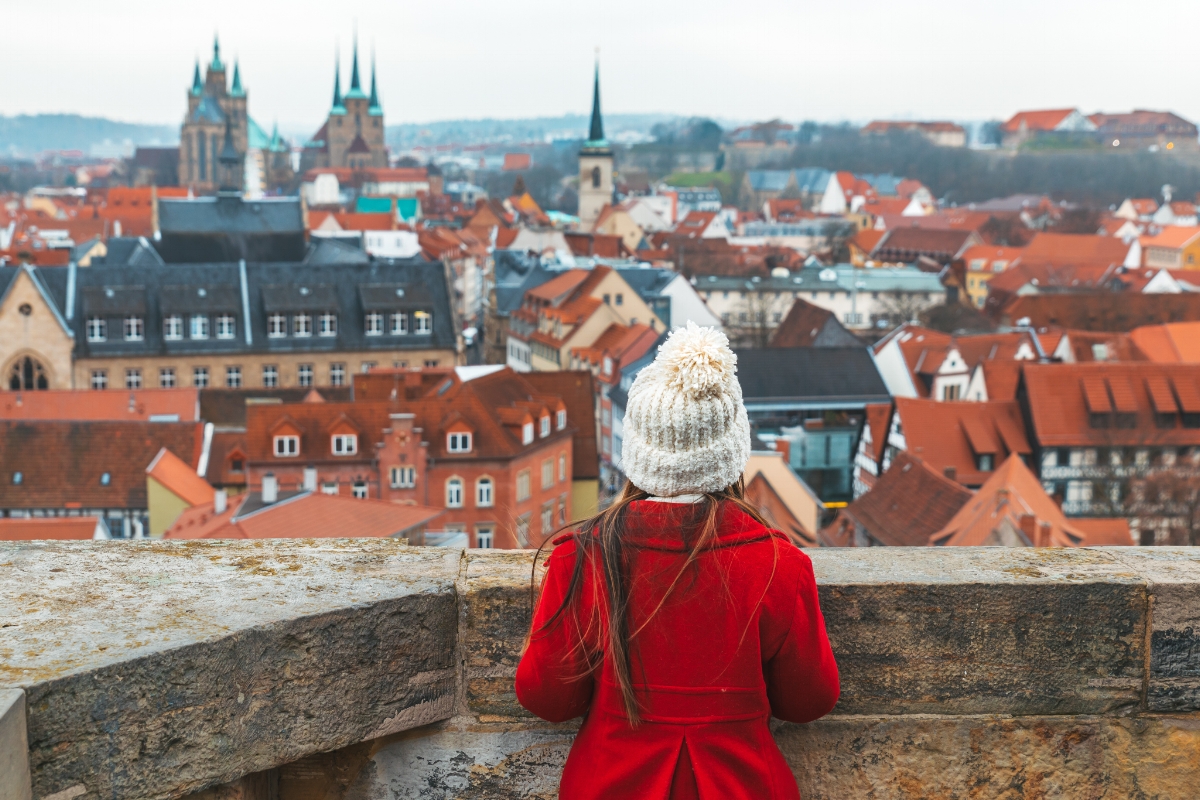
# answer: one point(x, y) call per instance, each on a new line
point(547, 518)
point(306, 374)
point(276, 326)
point(950, 391)
point(99, 379)
point(135, 329)
point(233, 377)
point(226, 326)
point(337, 374)
point(595, 177)
point(329, 487)
point(458, 442)
point(270, 375)
point(367, 366)
point(484, 493)
point(431, 362)
point(422, 322)
point(547, 473)
point(620, 299)
point(522, 530)
point(345, 444)
point(483, 536)
point(562, 419)
point(454, 493)
point(359, 490)
point(984, 462)
point(327, 325)
point(287, 446)
point(545, 426)
point(166, 378)
point(200, 377)
point(133, 378)
point(562, 510)
point(562, 467)
point(527, 433)
point(302, 325)
point(607, 299)
point(374, 324)
point(199, 326)
point(173, 327)
point(523, 485)
point(96, 329)
point(403, 477)
point(399, 324)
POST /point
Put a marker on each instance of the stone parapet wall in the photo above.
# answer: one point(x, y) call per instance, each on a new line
point(366, 669)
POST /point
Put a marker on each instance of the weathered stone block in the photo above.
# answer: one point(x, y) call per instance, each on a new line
point(14, 749)
point(1024, 758)
point(971, 631)
point(495, 621)
point(153, 669)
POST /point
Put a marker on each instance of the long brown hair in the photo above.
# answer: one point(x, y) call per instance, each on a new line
point(602, 543)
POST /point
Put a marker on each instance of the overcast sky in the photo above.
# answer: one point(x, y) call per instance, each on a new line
point(450, 59)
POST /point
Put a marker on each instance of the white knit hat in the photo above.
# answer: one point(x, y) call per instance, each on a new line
point(686, 429)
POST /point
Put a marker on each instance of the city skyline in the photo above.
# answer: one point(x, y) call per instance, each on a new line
point(800, 61)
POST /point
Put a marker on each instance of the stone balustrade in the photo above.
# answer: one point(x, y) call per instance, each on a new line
point(345, 669)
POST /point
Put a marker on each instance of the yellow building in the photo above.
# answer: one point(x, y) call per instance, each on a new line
point(982, 262)
point(172, 487)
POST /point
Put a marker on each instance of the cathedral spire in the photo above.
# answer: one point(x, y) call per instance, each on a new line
point(197, 84)
point(338, 106)
point(355, 85)
point(374, 108)
point(237, 90)
point(216, 62)
point(596, 132)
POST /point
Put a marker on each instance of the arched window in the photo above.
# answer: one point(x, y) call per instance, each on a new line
point(27, 374)
point(595, 177)
point(454, 493)
point(484, 493)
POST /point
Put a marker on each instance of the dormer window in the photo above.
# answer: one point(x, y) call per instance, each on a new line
point(199, 326)
point(562, 419)
point(527, 433)
point(226, 326)
point(607, 365)
point(458, 442)
point(276, 326)
point(545, 422)
point(287, 446)
point(135, 329)
point(374, 324)
point(399, 323)
point(327, 325)
point(422, 322)
point(345, 444)
point(97, 329)
point(302, 325)
point(173, 327)
point(984, 462)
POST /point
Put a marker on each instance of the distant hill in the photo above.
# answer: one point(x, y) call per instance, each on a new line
point(472, 131)
point(31, 134)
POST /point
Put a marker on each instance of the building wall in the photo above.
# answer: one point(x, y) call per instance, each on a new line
point(593, 199)
point(37, 334)
point(287, 364)
point(585, 497)
point(342, 129)
point(165, 506)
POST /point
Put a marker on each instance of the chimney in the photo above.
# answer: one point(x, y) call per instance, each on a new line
point(1029, 528)
point(310, 479)
point(784, 446)
point(220, 501)
point(951, 472)
point(1043, 535)
point(270, 488)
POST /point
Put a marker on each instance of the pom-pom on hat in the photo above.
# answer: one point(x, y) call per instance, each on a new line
point(686, 429)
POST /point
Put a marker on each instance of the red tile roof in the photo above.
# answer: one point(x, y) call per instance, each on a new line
point(137, 405)
point(956, 434)
point(1112, 404)
point(25, 530)
point(577, 390)
point(1173, 343)
point(1046, 120)
point(596, 244)
point(878, 418)
point(905, 244)
point(180, 478)
point(1174, 237)
point(802, 325)
point(1074, 249)
point(353, 222)
point(1099, 311)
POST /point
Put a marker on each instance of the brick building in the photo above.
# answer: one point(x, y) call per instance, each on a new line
point(353, 133)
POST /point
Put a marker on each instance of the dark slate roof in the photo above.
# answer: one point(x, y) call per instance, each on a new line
point(131, 251)
point(646, 281)
point(217, 288)
point(810, 375)
point(516, 272)
point(230, 215)
point(340, 250)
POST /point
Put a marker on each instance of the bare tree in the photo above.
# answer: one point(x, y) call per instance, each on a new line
point(755, 318)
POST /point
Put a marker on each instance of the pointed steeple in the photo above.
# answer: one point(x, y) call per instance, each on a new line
point(356, 91)
point(197, 84)
point(596, 131)
point(338, 106)
point(237, 90)
point(375, 109)
point(216, 62)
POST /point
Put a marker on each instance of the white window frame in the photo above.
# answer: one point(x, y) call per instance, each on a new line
point(286, 446)
point(337, 374)
point(198, 326)
point(403, 477)
point(134, 328)
point(302, 325)
point(327, 324)
point(330, 487)
point(200, 377)
point(527, 433)
point(173, 327)
point(458, 442)
point(422, 322)
point(344, 444)
point(133, 378)
point(233, 377)
point(276, 326)
point(97, 329)
point(399, 323)
point(523, 485)
point(99, 379)
point(270, 376)
point(358, 490)
point(166, 378)
point(373, 324)
point(547, 473)
point(562, 467)
point(485, 492)
point(304, 374)
point(485, 537)
point(545, 425)
point(454, 492)
point(226, 326)
point(562, 418)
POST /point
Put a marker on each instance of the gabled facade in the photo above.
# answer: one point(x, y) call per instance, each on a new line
point(353, 133)
point(215, 111)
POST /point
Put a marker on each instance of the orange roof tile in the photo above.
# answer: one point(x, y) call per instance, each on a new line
point(957, 434)
point(1172, 343)
point(179, 478)
point(1046, 120)
point(137, 405)
point(24, 530)
point(1078, 249)
point(1174, 237)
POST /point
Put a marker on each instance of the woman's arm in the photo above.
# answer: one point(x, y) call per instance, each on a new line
point(802, 676)
point(554, 680)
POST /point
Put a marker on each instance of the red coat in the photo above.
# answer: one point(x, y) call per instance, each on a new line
point(739, 639)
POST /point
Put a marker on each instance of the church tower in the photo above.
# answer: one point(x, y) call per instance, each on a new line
point(215, 112)
point(595, 165)
point(353, 134)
